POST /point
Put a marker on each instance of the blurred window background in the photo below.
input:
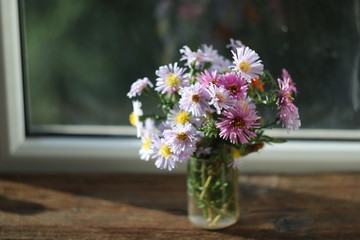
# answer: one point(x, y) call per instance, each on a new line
point(82, 56)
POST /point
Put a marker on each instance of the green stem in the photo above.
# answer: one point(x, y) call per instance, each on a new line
point(206, 185)
point(148, 92)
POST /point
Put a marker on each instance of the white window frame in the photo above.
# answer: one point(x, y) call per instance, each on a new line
point(19, 152)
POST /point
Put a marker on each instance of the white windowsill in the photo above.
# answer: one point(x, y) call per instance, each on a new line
point(66, 154)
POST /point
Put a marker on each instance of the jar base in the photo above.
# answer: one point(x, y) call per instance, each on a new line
point(200, 222)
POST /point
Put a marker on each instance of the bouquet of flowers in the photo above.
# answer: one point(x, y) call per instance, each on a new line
point(211, 111)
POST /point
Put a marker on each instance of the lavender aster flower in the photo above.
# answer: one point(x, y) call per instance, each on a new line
point(138, 86)
point(170, 78)
point(235, 84)
point(165, 158)
point(203, 151)
point(220, 98)
point(179, 117)
point(194, 99)
point(248, 63)
point(181, 138)
point(221, 64)
point(192, 57)
point(238, 124)
point(205, 54)
point(234, 44)
point(210, 54)
point(249, 103)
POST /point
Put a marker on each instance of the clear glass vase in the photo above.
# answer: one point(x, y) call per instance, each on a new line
point(213, 201)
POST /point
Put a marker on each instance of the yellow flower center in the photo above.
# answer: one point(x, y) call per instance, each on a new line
point(172, 80)
point(133, 118)
point(182, 117)
point(288, 96)
point(236, 153)
point(195, 98)
point(244, 66)
point(146, 144)
point(181, 136)
point(238, 123)
point(165, 151)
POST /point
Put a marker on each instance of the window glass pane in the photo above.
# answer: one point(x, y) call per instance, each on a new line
point(83, 55)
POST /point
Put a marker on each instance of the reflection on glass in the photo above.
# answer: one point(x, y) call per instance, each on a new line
point(83, 55)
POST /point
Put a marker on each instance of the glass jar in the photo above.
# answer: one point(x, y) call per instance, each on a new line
point(213, 201)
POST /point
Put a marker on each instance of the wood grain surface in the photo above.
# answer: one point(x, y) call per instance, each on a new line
point(93, 206)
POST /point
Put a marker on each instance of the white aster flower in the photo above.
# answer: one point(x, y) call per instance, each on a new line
point(145, 151)
point(138, 86)
point(148, 133)
point(134, 117)
point(170, 78)
point(248, 63)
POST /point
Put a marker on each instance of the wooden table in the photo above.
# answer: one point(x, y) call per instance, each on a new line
point(124, 206)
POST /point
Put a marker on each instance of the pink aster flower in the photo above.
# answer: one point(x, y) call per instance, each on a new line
point(289, 113)
point(220, 97)
point(138, 86)
point(286, 75)
point(289, 116)
point(170, 78)
point(285, 90)
point(248, 63)
point(235, 84)
point(161, 151)
point(194, 99)
point(182, 139)
point(238, 124)
point(206, 78)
